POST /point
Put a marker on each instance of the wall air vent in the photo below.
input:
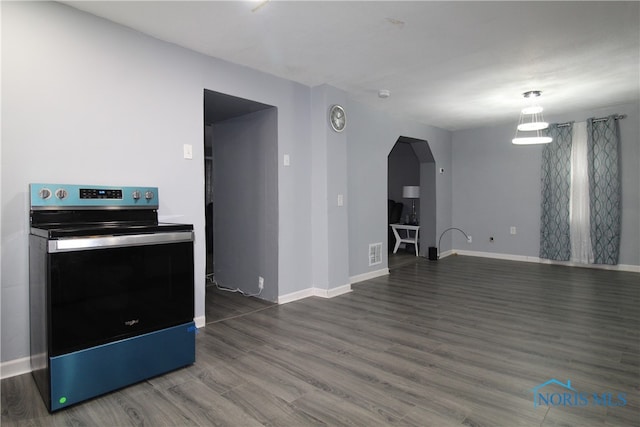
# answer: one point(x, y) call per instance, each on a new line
point(375, 253)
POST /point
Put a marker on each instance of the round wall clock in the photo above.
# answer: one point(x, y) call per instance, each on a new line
point(337, 118)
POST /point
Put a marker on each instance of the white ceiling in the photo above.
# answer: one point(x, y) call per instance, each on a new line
point(454, 65)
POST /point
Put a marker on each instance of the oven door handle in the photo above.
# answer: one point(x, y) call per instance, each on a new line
point(104, 242)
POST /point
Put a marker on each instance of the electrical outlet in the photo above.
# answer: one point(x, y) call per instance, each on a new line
point(469, 239)
point(260, 282)
point(187, 151)
point(512, 230)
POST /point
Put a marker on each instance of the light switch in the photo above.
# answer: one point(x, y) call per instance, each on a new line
point(287, 160)
point(340, 200)
point(512, 230)
point(188, 151)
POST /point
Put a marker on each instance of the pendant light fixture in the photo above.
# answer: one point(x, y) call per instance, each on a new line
point(531, 122)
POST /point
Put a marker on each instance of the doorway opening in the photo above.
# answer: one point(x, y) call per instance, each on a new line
point(241, 197)
point(411, 163)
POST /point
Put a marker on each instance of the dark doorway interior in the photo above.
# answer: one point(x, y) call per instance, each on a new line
point(241, 202)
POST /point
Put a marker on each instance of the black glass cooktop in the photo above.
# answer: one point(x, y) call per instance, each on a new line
point(62, 223)
point(54, 231)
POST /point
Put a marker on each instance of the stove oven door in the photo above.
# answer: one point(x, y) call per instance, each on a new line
point(107, 288)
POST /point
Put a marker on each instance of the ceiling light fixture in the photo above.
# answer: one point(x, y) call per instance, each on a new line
point(531, 120)
point(384, 93)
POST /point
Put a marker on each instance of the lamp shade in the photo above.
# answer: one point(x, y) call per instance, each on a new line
point(411, 192)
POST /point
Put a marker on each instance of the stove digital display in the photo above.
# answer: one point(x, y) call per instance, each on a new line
point(93, 193)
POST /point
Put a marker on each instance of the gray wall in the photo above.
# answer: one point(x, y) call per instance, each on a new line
point(88, 101)
point(329, 222)
point(245, 189)
point(371, 135)
point(428, 207)
point(497, 185)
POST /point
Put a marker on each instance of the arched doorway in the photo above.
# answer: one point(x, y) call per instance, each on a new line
point(411, 163)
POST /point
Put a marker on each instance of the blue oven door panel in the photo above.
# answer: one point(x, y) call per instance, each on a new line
point(88, 373)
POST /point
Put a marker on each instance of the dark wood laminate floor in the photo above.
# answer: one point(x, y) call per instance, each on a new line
point(222, 305)
point(460, 341)
point(402, 258)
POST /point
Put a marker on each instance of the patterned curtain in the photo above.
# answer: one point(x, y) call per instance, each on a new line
point(555, 234)
point(604, 189)
point(580, 211)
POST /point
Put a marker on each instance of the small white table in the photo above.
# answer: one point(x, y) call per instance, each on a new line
point(407, 238)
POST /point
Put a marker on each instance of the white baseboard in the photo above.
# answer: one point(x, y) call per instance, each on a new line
point(15, 367)
point(333, 292)
point(617, 267)
point(200, 322)
point(314, 292)
point(369, 275)
point(524, 258)
point(447, 253)
point(295, 296)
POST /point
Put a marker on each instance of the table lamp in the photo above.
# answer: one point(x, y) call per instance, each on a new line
point(412, 192)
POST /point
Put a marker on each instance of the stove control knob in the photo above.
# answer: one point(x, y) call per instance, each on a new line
point(61, 193)
point(44, 193)
point(136, 195)
point(148, 195)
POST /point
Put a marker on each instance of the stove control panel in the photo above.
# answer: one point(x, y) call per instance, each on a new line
point(100, 193)
point(51, 196)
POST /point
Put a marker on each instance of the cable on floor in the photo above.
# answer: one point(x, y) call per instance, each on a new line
point(211, 278)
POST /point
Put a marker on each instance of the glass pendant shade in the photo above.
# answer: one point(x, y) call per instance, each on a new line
point(532, 140)
point(532, 110)
point(533, 126)
point(530, 123)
